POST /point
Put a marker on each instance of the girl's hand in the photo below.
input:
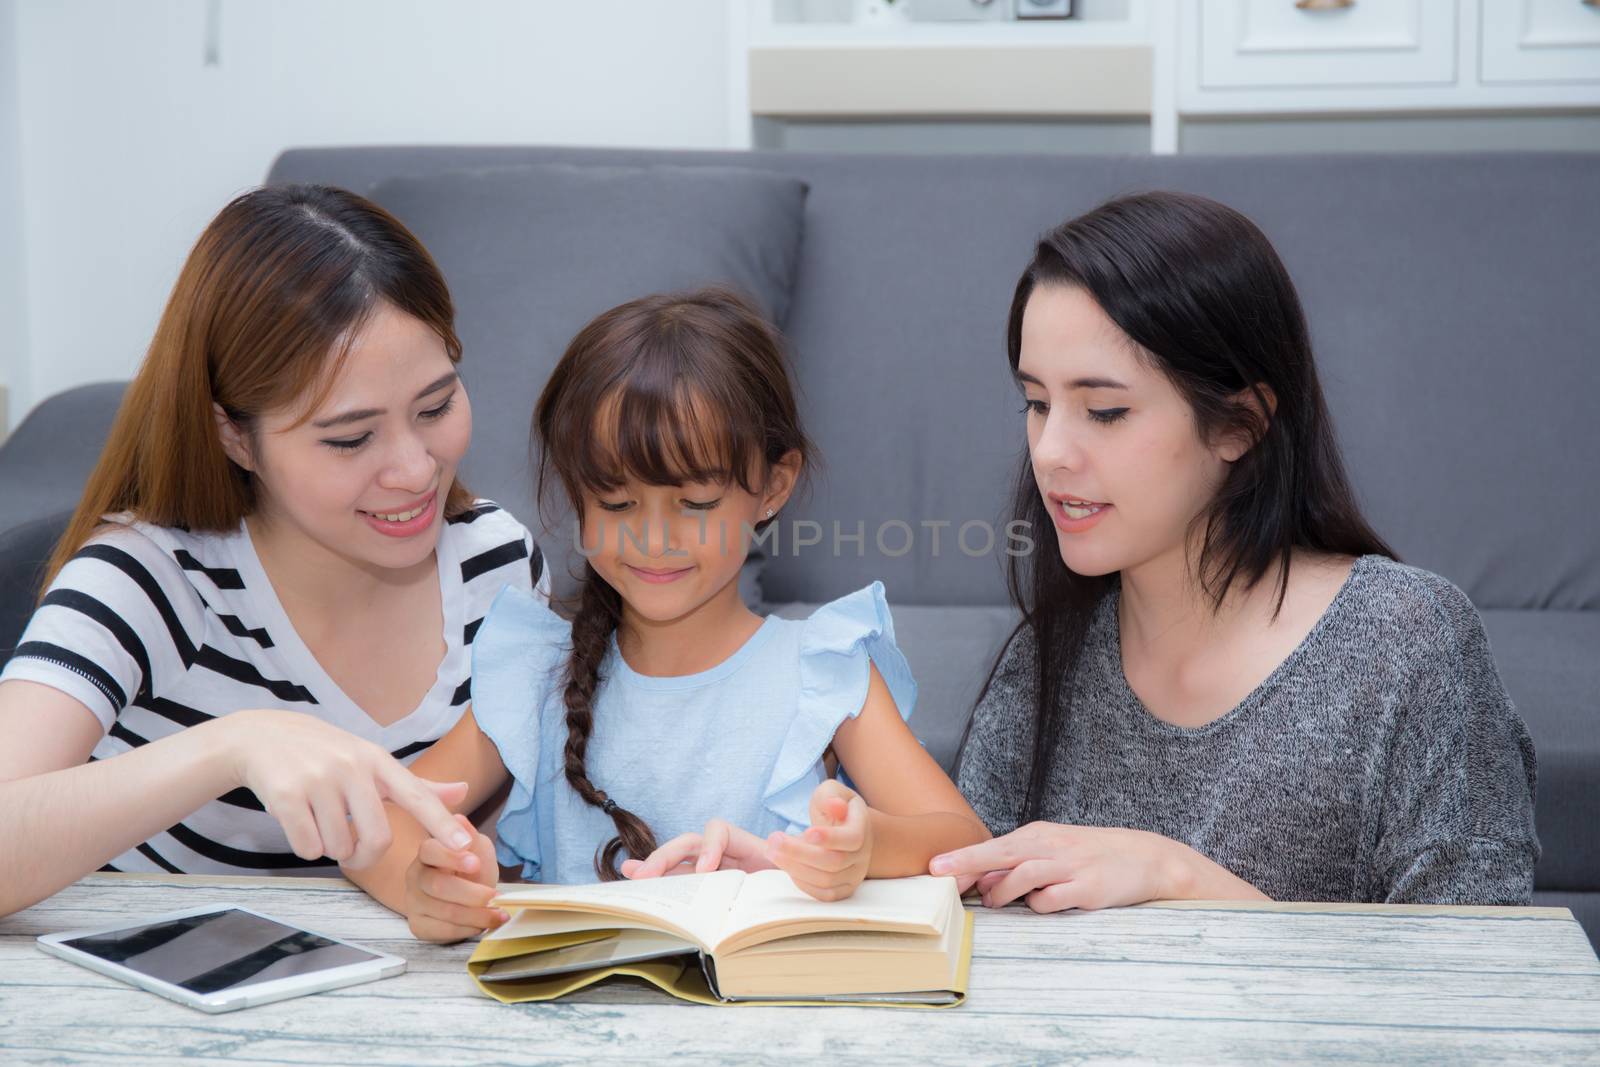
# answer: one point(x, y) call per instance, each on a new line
point(448, 890)
point(1055, 867)
point(830, 859)
point(326, 787)
point(722, 846)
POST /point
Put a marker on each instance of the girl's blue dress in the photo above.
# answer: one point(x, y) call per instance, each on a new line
point(742, 741)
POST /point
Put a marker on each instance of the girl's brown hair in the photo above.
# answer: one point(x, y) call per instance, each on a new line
point(666, 389)
point(262, 315)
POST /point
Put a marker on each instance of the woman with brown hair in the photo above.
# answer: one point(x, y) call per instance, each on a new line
point(266, 597)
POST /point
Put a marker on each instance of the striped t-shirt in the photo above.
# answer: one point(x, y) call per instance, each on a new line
point(154, 629)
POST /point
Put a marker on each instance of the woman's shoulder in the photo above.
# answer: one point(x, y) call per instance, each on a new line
point(147, 561)
point(1018, 658)
point(490, 541)
point(1420, 633)
point(1410, 604)
point(125, 532)
point(127, 608)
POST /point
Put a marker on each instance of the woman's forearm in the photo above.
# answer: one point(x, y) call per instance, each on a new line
point(1191, 876)
point(902, 845)
point(58, 826)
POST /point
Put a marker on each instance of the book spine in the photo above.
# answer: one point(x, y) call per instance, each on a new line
point(708, 967)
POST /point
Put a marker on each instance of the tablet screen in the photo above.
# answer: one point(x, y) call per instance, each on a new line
point(219, 950)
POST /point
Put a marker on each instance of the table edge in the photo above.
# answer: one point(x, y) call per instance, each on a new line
point(1481, 911)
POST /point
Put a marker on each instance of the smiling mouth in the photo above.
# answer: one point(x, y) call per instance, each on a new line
point(402, 516)
point(1074, 508)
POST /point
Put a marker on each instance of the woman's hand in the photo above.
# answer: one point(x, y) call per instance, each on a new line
point(1054, 867)
point(721, 846)
point(829, 860)
point(326, 787)
point(448, 890)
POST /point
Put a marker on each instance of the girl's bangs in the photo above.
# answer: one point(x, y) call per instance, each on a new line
point(666, 433)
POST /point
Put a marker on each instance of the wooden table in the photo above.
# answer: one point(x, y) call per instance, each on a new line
point(1190, 982)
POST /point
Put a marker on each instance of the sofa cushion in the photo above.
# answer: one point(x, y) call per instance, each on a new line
point(24, 551)
point(1585, 908)
point(1443, 297)
point(43, 467)
point(47, 459)
point(532, 253)
point(1548, 663)
point(1444, 293)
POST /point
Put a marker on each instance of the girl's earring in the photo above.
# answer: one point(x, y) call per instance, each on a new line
point(770, 513)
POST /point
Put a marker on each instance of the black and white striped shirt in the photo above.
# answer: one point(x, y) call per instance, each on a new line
point(154, 629)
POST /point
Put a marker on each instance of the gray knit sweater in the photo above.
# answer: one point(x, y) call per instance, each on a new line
point(1382, 761)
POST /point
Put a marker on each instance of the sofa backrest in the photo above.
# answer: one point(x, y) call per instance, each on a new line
point(1445, 294)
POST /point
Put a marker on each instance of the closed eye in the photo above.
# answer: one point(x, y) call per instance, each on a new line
point(348, 444)
point(1035, 407)
point(608, 506)
point(1107, 415)
point(695, 505)
point(442, 410)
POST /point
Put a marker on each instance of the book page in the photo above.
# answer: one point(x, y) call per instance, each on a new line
point(852, 941)
point(770, 906)
point(540, 923)
point(694, 905)
point(855, 963)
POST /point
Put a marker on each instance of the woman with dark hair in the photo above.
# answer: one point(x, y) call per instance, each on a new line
point(265, 599)
point(1224, 685)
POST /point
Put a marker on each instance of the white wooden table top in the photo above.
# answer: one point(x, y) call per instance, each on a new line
point(1190, 983)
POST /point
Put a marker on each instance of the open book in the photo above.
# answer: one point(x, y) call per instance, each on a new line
point(730, 936)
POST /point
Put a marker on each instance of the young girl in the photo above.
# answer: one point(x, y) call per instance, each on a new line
point(1224, 685)
point(671, 424)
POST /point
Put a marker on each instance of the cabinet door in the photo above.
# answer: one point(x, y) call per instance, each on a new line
point(1541, 41)
point(1327, 43)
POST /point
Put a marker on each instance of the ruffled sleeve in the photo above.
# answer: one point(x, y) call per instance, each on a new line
point(837, 645)
point(517, 657)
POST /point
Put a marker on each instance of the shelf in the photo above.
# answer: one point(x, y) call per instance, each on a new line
point(1064, 34)
point(954, 81)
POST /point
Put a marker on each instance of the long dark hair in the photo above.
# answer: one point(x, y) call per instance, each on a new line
point(669, 389)
point(1198, 287)
point(263, 311)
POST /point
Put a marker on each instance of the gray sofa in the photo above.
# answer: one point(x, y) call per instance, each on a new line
point(1445, 293)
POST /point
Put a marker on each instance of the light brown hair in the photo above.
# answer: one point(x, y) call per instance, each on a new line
point(263, 312)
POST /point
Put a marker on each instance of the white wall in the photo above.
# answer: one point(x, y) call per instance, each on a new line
point(13, 290)
point(128, 142)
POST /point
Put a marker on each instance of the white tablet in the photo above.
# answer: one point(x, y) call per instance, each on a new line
point(221, 958)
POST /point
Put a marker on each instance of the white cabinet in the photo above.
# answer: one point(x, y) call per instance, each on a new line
point(1317, 43)
point(1180, 61)
point(1541, 41)
point(1354, 57)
